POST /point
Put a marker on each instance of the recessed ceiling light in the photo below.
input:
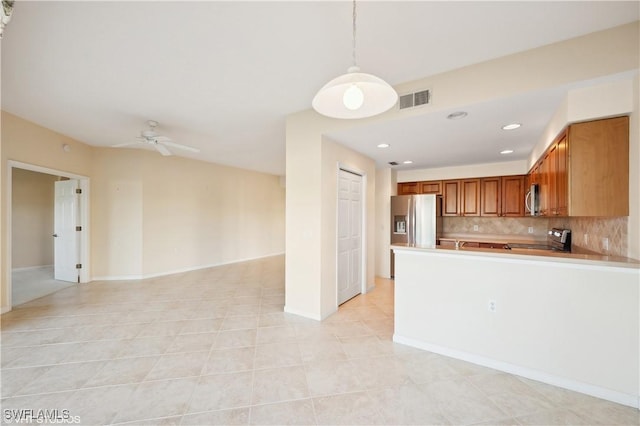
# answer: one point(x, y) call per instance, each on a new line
point(457, 115)
point(511, 126)
point(407, 162)
point(383, 145)
point(507, 151)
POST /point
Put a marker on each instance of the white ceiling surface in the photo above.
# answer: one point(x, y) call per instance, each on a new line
point(222, 76)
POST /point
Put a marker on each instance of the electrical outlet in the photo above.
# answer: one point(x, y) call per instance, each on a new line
point(531, 229)
point(475, 227)
point(491, 307)
point(605, 244)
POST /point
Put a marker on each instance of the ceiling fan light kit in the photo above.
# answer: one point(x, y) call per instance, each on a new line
point(354, 94)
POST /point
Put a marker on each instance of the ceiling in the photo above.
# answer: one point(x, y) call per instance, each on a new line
point(223, 76)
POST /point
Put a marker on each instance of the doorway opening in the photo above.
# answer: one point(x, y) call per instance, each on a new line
point(350, 235)
point(41, 206)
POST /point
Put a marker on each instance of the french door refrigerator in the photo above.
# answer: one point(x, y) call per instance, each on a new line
point(416, 221)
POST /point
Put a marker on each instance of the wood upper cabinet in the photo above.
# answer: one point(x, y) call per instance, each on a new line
point(451, 198)
point(562, 178)
point(502, 196)
point(491, 196)
point(431, 187)
point(470, 197)
point(512, 193)
point(408, 188)
point(425, 187)
point(585, 172)
point(598, 168)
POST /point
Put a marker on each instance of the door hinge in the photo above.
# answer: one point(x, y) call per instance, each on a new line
point(78, 228)
point(78, 191)
point(78, 265)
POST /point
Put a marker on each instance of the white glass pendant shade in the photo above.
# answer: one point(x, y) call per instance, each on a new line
point(354, 95)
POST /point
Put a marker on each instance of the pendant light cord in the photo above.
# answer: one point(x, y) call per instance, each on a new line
point(353, 50)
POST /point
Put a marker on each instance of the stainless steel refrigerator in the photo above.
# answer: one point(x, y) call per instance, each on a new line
point(416, 221)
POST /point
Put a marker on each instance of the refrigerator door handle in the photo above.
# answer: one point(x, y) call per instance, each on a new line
point(411, 231)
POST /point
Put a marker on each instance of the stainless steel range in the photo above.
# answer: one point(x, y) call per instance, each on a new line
point(558, 239)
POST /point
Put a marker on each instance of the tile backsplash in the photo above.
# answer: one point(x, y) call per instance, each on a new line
point(511, 226)
point(596, 229)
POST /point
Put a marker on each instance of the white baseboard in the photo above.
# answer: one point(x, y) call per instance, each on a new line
point(540, 376)
point(177, 271)
point(302, 314)
point(30, 268)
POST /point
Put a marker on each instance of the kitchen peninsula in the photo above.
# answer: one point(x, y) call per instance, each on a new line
point(569, 320)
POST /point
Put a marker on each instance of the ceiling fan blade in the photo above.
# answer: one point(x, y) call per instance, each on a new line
point(180, 146)
point(162, 149)
point(122, 145)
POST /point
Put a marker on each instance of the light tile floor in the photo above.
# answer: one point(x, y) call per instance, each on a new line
point(30, 284)
point(214, 347)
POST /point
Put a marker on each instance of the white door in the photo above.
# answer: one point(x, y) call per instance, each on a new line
point(65, 235)
point(349, 235)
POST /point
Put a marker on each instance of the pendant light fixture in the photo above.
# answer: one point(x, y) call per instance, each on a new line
point(354, 94)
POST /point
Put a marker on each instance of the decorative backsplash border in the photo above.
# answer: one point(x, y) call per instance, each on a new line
point(596, 229)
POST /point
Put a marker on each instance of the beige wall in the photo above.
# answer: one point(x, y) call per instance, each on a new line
point(197, 214)
point(152, 215)
point(386, 186)
point(32, 218)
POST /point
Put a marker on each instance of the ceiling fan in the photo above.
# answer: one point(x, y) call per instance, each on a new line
point(160, 143)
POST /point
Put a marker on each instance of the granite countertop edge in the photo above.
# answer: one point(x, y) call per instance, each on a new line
point(527, 254)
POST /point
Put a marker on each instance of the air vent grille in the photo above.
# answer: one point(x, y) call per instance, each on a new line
point(415, 99)
point(406, 101)
point(421, 98)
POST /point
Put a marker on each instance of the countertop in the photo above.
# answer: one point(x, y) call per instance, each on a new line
point(532, 254)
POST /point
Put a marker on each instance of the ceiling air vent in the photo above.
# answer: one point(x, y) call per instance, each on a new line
point(393, 163)
point(411, 100)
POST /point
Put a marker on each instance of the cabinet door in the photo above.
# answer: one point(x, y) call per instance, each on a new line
point(450, 195)
point(470, 197)
point(490, 197)
point(599, 167)
point(512, 195)
point(562, 178)
point(408, 188)
point(431, 187)
point(552, 199)
point(543, 182)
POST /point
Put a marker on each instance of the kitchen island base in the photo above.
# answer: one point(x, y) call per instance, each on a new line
point(572, 325)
